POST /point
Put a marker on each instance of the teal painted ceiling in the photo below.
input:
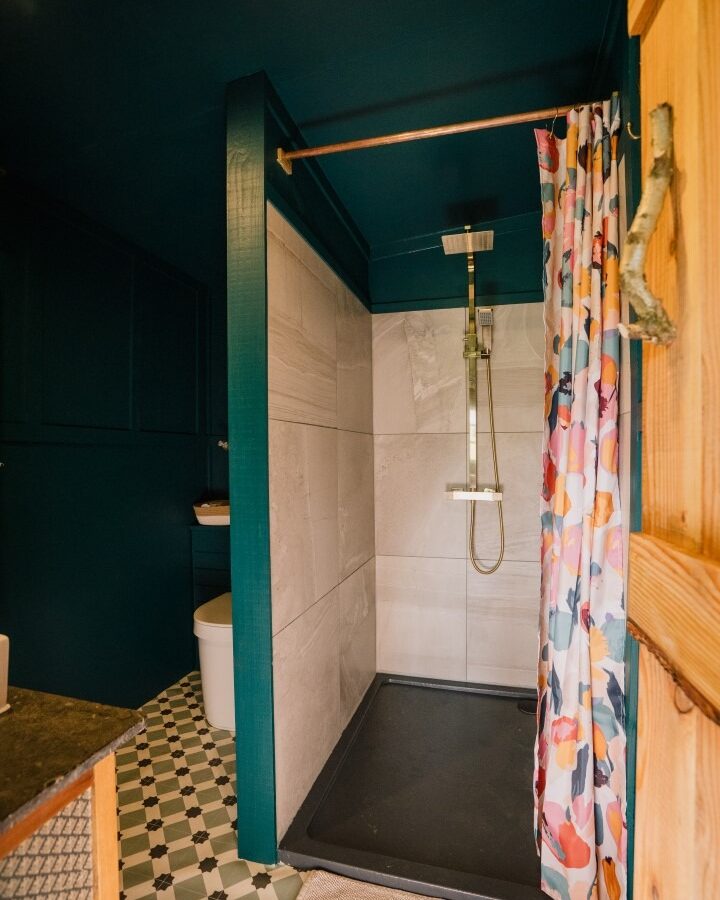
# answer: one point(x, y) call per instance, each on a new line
point(118, 108)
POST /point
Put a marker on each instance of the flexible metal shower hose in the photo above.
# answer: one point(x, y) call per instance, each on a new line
point(471, 540)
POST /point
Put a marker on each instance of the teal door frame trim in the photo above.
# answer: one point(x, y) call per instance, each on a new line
point(631, 154)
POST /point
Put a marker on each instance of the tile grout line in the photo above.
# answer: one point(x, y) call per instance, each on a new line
point(326, 594)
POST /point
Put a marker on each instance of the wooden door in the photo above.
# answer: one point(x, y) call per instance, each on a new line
point(674, 587)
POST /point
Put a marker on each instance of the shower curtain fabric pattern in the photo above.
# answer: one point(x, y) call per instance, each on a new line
point(580, 822)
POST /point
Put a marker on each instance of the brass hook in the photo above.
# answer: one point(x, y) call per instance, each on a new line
point(635, 137)
point(552, 127)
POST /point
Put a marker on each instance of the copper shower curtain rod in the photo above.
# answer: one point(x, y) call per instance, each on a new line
point(285, 157)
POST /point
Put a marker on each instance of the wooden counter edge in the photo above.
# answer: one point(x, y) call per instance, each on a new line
point(101, 778)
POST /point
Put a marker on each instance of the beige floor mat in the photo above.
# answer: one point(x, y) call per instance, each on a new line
point(326, 886)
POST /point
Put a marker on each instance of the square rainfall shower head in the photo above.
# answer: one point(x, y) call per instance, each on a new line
point(468, 242)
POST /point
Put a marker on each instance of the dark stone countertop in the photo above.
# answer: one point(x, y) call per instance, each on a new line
point(48, 741)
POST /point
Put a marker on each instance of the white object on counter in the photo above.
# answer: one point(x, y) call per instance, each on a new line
point(4, 666)
point(213, 628)
point(213, 512)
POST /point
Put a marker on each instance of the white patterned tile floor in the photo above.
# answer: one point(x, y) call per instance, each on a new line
point(177, 810)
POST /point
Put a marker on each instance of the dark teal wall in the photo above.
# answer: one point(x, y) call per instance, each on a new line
point(103, 441)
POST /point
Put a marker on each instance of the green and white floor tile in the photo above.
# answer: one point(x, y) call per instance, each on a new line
point(177, 810)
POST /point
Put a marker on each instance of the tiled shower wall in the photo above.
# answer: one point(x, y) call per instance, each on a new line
point(321, 509)
point(436, 616)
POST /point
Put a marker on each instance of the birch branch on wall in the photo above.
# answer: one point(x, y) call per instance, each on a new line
point(653, 323)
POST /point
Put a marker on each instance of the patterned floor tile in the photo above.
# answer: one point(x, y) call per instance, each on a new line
point(177, 810)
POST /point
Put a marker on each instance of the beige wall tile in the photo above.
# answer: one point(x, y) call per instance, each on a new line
point(412, 515)
point(357, 637)
point(303, 517)
point(421, 616)
point(419, 372)
point(356, 529)
point(306, 690)
point(354, 364)
point(520, 465)
point(300, 248)
point(502, 628)
point(302, 382)
point(518, 369)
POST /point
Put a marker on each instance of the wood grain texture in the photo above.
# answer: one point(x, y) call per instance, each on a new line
point(678, 783)
point(708, 136)
point(106, 876)
point(674, 571)
point(675, 603)
point(10, 839)
point(640, 12)
point(672, 376)
point(681, 383)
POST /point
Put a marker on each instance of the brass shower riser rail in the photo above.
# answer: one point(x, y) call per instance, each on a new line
point(285, 157)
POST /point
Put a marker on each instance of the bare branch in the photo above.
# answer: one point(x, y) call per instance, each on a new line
point(653, 323)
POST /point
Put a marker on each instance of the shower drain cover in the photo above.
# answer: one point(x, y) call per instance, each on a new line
point(529, 707)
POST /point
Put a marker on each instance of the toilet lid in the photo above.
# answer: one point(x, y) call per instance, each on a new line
point(216, 612)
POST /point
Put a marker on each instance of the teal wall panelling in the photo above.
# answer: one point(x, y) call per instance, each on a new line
point(133, 133)
point(104, 452)
point(210, 561)
point(247, 150)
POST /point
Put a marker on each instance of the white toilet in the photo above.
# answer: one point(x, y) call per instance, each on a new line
point(213, 629)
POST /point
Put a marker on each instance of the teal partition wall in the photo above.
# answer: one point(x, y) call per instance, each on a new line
point(248, 463)
point(256, 124)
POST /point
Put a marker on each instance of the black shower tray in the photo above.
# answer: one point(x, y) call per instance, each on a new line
point(428, 790)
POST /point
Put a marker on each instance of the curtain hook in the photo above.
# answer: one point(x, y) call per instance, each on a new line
point(552, 127)
point(635, 137)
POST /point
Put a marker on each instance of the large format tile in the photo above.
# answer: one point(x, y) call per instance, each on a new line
point(303, 517)
point(302, 383)
point(419, 372)
point(520, 466)
point(502, 628)
point(354, 364)
point(357, 637)
point(278, 225)
point(356, 530)
point(412, 515)
point(517, 364)
point(421, 616)
point(306, 689)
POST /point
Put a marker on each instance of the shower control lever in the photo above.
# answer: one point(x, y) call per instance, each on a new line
point(486, 494)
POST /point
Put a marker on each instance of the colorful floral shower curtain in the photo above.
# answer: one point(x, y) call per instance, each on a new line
point(580, 750)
